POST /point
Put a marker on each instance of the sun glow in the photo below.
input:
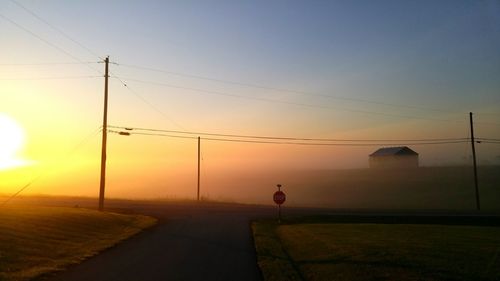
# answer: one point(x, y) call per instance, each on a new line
point(11, 141)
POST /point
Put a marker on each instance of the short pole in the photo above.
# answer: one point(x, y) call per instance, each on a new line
point(279, 206)
point(279, 214)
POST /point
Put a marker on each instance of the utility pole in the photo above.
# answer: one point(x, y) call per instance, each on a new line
point(478, 206)
point(104, 138)
point(198, 194)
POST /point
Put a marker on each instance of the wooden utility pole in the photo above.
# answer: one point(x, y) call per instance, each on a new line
point(104, 138)
point(478, 205)
point(198, 194)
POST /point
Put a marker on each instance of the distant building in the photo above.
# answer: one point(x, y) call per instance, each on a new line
point(393, 157)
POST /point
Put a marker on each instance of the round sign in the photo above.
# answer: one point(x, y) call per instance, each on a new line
point(279, 197)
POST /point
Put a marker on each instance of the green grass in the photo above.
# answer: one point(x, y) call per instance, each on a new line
point(38, 240)
point(273, 260)
point(377, 251)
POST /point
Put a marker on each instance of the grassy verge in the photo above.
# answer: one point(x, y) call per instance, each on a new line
point(377, 251)
point(38, 240)
point(273, 260)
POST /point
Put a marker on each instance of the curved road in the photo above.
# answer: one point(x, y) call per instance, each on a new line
point(213, 241)
point(191, 242)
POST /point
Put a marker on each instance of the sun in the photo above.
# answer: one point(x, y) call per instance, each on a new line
point(12, 139)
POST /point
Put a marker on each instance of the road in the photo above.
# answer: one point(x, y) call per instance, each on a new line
point(191, 242)
point(213, 241)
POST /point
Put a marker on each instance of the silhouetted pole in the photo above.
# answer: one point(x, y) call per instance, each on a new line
point(104, 138)
point(279, 206)
point(478, 206)
point(198, 194)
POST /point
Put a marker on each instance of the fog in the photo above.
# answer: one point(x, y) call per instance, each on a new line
point(334, 177)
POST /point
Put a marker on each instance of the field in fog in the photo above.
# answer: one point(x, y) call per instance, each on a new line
point(422, 188)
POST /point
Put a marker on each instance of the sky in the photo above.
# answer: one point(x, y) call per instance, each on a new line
point(306, 69)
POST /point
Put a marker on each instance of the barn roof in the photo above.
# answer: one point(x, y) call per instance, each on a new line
point(387, 151)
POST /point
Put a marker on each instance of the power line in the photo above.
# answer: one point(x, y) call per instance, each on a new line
point(487, 123)
point(251, 85)
point(488, 139)
point(331, 144)
point(50, 78)
point(291, 143)
point(47, 63)
point(69, 154)
point(303, 104)
point(291, 103)
point(220, 80)
point(151, 134)
point(20, 190)
point(490, 142)
point(488, 114)
point(48, 42)
point(285, 138)
point(40, 38)
point(147, 102)
point(56, 29)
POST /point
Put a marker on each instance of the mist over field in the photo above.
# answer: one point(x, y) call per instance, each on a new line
point(422, 188)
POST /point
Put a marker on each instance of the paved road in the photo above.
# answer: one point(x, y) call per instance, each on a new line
point(213, 241)
point(191, 242)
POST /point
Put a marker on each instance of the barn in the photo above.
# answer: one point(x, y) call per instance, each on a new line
point(393, 157)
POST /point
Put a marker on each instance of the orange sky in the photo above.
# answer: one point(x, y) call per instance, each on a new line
point(323, 70)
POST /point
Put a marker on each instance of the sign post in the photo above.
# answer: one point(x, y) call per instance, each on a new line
point(279, 198)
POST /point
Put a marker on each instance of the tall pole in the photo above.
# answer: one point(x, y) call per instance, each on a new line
point(198, 194)
point(104, 138)
point(478, 206)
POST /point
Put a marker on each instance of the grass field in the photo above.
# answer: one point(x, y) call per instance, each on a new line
point(425, 188)
point(377, 251)
point(38, 240)
point(422, 188)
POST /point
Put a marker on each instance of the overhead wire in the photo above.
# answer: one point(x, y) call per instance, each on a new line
point(287, 142)
point(251, 85)
point(214, 79)
point(56, 29)
point(47, 63)
point(145, 101)
point(51, 78)
point(40, 38)
point(129, 129)
point(487, 139)
point(47, 41)
point(291, 103)
point(90, 51)
point(20, 190)
point(70, 153)
point(294, 92)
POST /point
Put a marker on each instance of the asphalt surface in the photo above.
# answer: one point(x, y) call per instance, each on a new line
point(191, 242)
point(213, 241)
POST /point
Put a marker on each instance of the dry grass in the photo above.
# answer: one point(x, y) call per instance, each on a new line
point(382, 251)
point(38, 240)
